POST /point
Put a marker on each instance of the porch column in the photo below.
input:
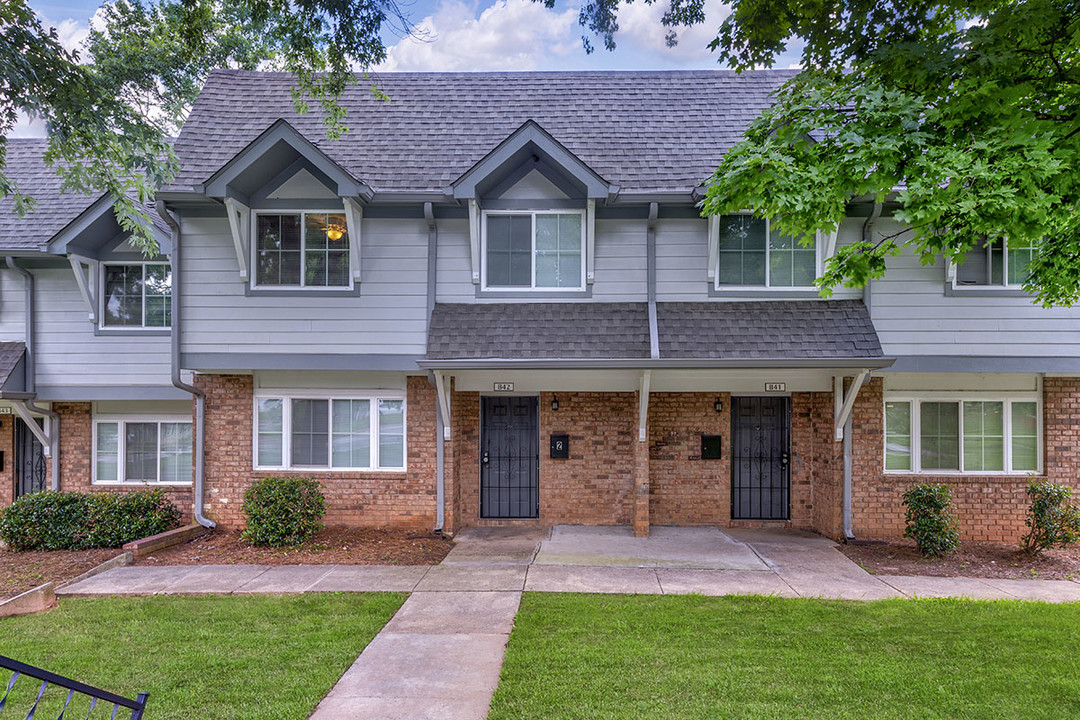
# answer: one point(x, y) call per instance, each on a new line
point(640, 490)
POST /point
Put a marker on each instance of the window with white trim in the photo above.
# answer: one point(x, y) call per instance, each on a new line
point(142, 451)
point(975, 435)
point(752, 253)
point(542, 250)
point(301, 250)
point(997, 263)
point(136, 295)
point(332, 433)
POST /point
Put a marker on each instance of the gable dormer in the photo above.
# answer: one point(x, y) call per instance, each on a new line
point(532, 207)
point(285, 200)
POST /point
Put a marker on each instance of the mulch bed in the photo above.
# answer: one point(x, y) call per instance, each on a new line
point(973, 559)
point(330, 546)
point(22, 571)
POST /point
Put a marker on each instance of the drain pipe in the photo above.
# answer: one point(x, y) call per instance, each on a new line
point(849, 534)
point(440, 421)
point(650, 250)
point(200, 396)
point(31, 376)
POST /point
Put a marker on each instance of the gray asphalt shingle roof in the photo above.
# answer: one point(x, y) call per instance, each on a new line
point(539, 330)
point(797, 329)
point(10, 355)
point(783, 329)
point(55, 208)
point(643, 131)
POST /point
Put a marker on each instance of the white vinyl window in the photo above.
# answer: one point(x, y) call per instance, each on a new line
point(997, 263)
point(752, 253)
point(301, 250)
point(534, 250)
point(974, 435)
point(142, 450)
point(340, 433)
point(136, 295)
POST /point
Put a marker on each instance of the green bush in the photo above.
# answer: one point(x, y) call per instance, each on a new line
point(283, 510)
point(930, 522)
point(1053, 522)
point(79, 521)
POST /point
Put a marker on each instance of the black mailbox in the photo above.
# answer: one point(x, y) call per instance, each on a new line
point(711, 447)
point(560, 446)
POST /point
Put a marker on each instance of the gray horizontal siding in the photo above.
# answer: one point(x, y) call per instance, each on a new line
point(68, 352)
point(915, 317)
point(12, 307)
point(389, 316)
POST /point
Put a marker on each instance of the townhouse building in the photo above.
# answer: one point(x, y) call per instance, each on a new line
point(494, 301)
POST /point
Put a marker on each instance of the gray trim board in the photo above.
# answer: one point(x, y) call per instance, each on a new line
point(985, 291)
point(302, 292)
point(763, 294)
point(872, 363)
point(555, 204)
point(984, 364)
point(88, 393)
point(534, 295)
point(307, 205)
point(133, 334)
point(297, 361)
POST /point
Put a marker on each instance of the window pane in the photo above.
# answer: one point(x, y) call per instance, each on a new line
point(1021, 253)
point(898, 436)
point(352, 433)
point(123, 295)
point(326, 250)
point(391, 433)
point(277, 255)
point(158, 289)
point(1025, 437)
point(742, 250)
point(176, 452)
point(311, 432)
point(509, 250)
point(939, 435)
point(984, 437)
point(558, 250)
point(107, 452)
point(791, 264)
point(140, 452)
point(270, 431)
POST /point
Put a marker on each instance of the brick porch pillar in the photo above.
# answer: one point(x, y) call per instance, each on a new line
point(641, 488)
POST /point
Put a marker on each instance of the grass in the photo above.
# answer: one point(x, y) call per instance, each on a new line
point(265, 657)
point(595, 656)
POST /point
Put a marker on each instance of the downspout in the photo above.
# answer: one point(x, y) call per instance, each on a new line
point(650, 250)
point(867, 233)
point(440, 441)
point(200, 397)
point(849, 534)
point(31, 376)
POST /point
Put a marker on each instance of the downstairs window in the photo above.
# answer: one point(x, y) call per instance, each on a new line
point(142, 451)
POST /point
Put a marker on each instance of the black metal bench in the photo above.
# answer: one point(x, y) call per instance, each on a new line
point(72, 686)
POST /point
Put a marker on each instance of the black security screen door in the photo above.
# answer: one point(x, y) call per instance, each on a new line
point(29, 461)
point(509, 457)
point(760, 454)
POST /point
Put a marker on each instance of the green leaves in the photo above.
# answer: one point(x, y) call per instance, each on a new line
point(929, 520)
point(1051, 519)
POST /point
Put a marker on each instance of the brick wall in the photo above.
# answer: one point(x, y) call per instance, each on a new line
point(990, 508)
point(7, 472)
point(378, 499)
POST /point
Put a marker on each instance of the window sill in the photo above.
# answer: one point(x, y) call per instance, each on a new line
point(132, 332)
point(330, 471)
point(966, 474)
point(302, 291)
point(138, 484)
point(533, 294)
point(756, 291)
point(984, 291)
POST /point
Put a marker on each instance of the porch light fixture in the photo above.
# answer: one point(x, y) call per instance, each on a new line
point(334, 231)
point(555, 403)
point(719, 405)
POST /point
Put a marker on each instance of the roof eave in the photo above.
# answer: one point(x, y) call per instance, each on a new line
point(869, 363)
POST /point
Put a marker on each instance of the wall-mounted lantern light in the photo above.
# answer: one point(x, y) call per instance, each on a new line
point(555, 403)
point(719, 405)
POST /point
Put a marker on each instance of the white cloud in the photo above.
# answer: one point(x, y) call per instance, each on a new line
point(70, 32)
point(640, 31)
point(26, 128)
point(508, 35)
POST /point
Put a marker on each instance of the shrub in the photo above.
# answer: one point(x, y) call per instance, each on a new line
point(930, 522)
point(1053, 522)
point(79, 521)
point(283, 510)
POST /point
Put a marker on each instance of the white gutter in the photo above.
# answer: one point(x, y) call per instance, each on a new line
point(200, 396)
point(842, 429)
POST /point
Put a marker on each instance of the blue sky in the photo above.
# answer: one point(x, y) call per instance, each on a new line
point(466, 35)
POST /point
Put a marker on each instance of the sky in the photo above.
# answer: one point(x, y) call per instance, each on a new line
point(479, 35)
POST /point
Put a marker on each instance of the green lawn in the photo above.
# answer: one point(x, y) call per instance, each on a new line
point(595, 656)
point(201, 658)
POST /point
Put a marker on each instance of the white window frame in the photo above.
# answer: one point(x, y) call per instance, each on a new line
point(960, 397)
point(532, 287)
point(954, 274)
point(253, 259)
point(121, 449)
point(717, 285)
point(104, 299)
point(287, 396)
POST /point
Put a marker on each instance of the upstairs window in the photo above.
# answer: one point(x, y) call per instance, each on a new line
point(754, 254)
point(309, 250)
point(997, 263)
point(137, 295)
point(981, 436)
point(534, 251)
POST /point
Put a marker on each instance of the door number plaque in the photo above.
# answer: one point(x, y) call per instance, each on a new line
point(504, 387)
point(775, 387)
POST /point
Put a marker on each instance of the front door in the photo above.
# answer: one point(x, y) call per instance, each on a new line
point(29, 461)
point(509, 457)
point(760, 458)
